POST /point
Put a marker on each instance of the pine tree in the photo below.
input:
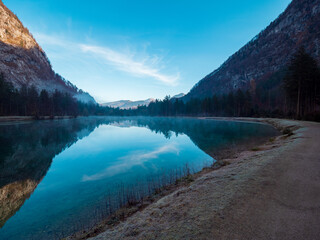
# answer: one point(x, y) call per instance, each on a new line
point(302, 82)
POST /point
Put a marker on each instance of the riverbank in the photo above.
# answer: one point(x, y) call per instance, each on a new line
point(269, 192)
point(31, 118)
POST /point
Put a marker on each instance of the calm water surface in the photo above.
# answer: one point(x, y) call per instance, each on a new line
point(55, 176)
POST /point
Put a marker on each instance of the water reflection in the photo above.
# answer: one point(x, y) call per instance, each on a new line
point(26, 153)
point(90, 156)
point(134, 158)
point(217, 138)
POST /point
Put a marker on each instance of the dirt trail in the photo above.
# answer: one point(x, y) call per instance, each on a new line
point(269, 194)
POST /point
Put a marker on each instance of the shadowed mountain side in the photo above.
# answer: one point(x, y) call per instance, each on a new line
point(267, 53)
point(20, 173)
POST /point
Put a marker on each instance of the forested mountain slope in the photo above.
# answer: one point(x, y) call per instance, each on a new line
point(268, 53)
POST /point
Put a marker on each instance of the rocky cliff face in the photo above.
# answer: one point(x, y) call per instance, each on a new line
point(23, 62)
point(268, 52)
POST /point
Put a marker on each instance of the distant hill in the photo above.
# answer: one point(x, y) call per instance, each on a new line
point(180, 95)
point(23, 61)
point(267, 53)
point(127, 104)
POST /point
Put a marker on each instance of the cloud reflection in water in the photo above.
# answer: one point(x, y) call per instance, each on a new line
point(133, 159)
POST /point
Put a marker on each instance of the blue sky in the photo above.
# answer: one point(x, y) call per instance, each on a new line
point(136, 49)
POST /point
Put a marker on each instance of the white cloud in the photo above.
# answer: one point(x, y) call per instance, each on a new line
point(129, 62)
point(126, 63)
point(130, 160)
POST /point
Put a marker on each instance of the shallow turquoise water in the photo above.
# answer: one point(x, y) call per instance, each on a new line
point(74, 165)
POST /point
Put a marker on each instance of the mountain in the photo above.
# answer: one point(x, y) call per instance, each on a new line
point(127, 104)
point(23, 61)
point(180, 95)
point(267, 53)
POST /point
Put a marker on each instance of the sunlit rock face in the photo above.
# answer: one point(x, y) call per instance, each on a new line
point(268, 52)
point(23, 62)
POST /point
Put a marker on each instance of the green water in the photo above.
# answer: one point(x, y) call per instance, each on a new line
point(55, 176)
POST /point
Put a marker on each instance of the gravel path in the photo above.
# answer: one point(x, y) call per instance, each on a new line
point(269, 194)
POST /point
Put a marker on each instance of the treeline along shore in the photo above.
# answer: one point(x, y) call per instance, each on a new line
point(293, 92)
point(27, 101)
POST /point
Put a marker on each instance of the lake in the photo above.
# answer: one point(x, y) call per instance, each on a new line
point(61, 175)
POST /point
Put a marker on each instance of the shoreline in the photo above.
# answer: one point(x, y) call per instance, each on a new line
point(31, 118)
point(107, 231)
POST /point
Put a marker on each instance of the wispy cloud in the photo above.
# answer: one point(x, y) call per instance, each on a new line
point(126, 63)
point(130, 160)
point(129, 61)
point(44, 39)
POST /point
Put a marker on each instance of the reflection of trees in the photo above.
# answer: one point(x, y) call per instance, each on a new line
point(216, 138)
point(26, 153)
point(27, 150)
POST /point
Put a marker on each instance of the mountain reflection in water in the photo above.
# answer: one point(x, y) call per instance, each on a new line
point(27, 151)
